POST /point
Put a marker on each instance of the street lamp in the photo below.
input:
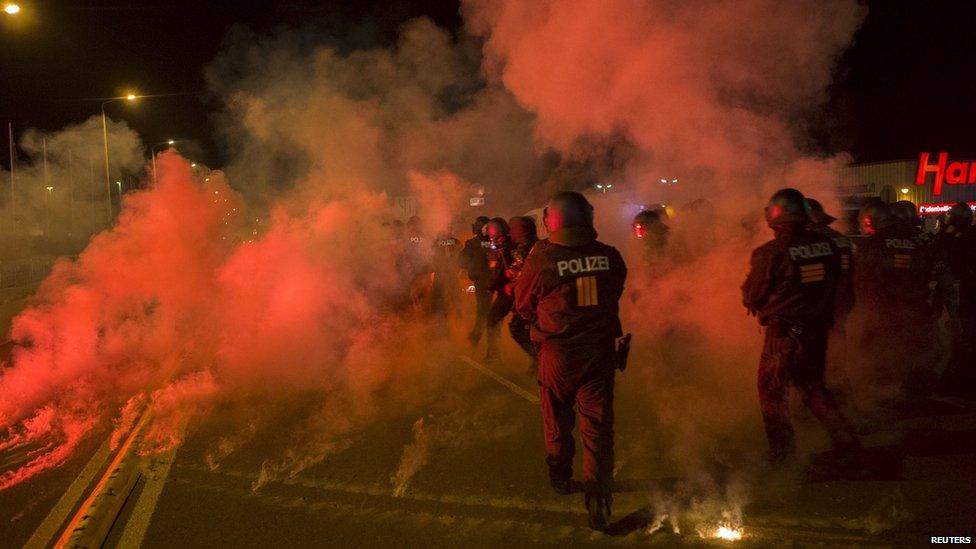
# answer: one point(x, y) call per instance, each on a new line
point(11, 9)
point(152, 150)
point(47, 210)
point(108, 180)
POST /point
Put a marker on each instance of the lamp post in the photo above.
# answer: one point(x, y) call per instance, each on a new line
point(47, 210)
point(168, 142)
point(13, 162)
point(108, 179)
point(11, 9)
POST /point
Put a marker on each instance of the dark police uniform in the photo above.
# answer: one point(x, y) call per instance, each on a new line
point(894, 272)
point(518, 326)
point(792, 288)
point(445, 265)
point(892, 284)
point(956, 267)
point(499, 261)
point(473, 259)
point(845, 285)
point(569, 295)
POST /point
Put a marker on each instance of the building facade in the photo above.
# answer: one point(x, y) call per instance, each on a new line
point(933, 181)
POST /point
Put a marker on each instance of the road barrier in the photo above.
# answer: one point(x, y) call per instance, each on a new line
point(25, 272)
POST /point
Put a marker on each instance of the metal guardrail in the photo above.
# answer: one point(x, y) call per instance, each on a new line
point(24, 272)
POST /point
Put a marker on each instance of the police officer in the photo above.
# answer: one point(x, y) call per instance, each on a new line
point(445, 267)
point(906, 214)
point(893, 267)
point(956, 277)
point(892, 285)
point(500, 260)
point(649, 228)
point(820, 222)
point(791, 288)
point(569, 291)
point(524, 236)
point(473, 259)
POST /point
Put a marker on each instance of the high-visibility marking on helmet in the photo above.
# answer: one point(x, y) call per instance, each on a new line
point(586, 294)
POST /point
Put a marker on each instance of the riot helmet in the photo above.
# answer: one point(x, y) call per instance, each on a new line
point(496, 228)
point(661, 210)
point(906, 212)
point(568, 209)
point(786, 206)
point(960, 215)
point(523, 229)
point(875, 215)
point(644, 221)
point(479, 224)
point(818, 216)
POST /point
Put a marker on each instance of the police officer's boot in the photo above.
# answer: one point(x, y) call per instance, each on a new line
point(474, 336)
point(492, 337)
point(562, 487)
point(598, 507)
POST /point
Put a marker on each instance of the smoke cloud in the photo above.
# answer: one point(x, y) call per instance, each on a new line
point(71, 162)
point(701, 100)
point(181, 306)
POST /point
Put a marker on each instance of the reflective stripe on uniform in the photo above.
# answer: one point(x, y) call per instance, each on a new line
point(586, 294)
point(812, 273)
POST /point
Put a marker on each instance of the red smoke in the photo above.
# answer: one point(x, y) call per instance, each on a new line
point(171, 308)
point(703, 89)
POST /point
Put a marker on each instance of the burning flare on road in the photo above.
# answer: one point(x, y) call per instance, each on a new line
point(727, 532)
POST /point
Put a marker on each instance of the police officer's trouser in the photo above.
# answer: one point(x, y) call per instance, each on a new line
point(794, 356)
point(519, 328)
point(960, 375)
point(582, 376)
point(482, 298)
point(501, 305)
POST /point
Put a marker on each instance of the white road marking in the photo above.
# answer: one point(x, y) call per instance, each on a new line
point(505, 382)
point(83, 512)
point(51, 525)
point(135, 528)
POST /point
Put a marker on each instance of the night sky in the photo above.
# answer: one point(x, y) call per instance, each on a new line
point(906, 85)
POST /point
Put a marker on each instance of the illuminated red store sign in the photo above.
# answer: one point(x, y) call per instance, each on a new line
point(952, 173)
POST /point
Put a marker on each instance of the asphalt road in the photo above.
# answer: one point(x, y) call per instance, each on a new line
point(465, 468)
